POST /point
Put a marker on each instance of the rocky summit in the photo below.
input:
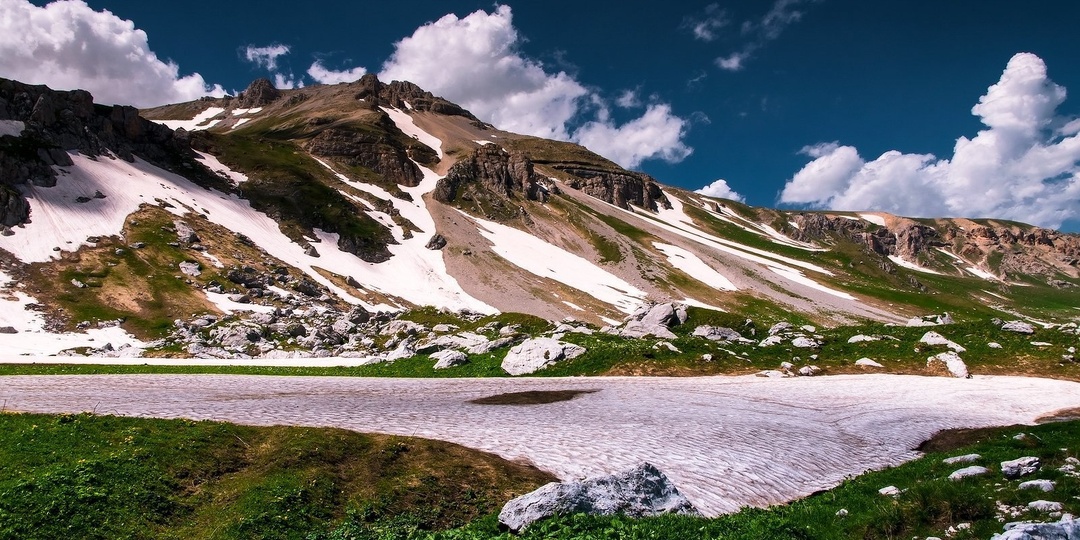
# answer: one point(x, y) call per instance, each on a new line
point(260, 224)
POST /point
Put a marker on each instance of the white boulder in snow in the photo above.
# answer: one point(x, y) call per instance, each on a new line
point(952, 362)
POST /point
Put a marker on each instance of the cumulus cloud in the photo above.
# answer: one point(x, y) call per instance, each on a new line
point(705, 26)
point(1024, 166)
point(657, 134)
point(68, 45)
point(265, 57)
point(759, 33)
point(628, 99)
point(721, 190)
point(475, 62)
point(321, 74)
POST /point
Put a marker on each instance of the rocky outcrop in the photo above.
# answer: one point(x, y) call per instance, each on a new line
point(405, 95)
point(260, 93)
point(57, 122)
point(538, 353)
point(1065, 529)
point(618, 187)
point(639, 492)
point(370, 149)
point(493, 169)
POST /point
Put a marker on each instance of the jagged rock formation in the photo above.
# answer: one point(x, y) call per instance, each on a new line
point(490, 167)
point(399, 93)
point(374, 150)
point(260, 93)
point(57, 122)
point(621, 188)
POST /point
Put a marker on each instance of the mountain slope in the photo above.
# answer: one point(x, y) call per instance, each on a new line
point(386, 197)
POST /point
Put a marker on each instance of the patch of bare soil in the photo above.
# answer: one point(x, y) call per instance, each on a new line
point(535, 397)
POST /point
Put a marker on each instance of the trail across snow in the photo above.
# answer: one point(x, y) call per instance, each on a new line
point(726, 442)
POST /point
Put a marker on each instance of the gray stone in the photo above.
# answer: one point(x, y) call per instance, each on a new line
point(449, 359)
point(486, 347)
point(779, 327)
point(8, 330)
point(640, 492)
point(866, 362)
point(966, 458)
point(860, 338)
point(809, 371)
point(1020, 327)
point(191, 268)
point(952, 362)
point(1020, 467)
point(717, 333)
point(804, 342)
point(770, 341)
point(1041, 485)
point(538, 353)
point(889, 491)
point(1045, 506)
point(1065, 529)
point(934, 338)
point(968, 472)
point(640, 329)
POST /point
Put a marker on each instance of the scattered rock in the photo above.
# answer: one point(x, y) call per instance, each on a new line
point(448, 359)
point(1041, 485)
point(436, 242)
point(1020, 467)
point(968, 472)
point(889, 491)
point(1045, 506)
point(538, 353)
point(934, 338)
point(770, 341)
point(779, 327)
point(77, 284)
point(966, 458)
point(809, 371)
point(866, 362)
point(1065, 529)
point(640, 492)
point(804, 342)
point(860, 338)
point(994, 345)
point(717, 333)
point(191, 268)
point(952, 362)
point(1020, 327)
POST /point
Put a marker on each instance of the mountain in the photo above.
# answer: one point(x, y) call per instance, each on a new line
point(372, 197)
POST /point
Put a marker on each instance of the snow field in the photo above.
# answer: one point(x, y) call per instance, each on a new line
point(200, 122)
point(405, 123)
point(696, 268)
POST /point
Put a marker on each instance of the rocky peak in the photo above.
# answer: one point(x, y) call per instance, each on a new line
point(618, 187)
point(260, 93)
point(399, 93)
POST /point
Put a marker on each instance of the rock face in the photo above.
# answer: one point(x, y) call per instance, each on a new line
point(260, 93)
point(1020, 467)
point(376, 151)
point(493, 169)
point(1066, 529)
point(654, 320)
point(640, 492)
point(538, 353)
point(57, 122)
point(621, 188)
point(398, 93)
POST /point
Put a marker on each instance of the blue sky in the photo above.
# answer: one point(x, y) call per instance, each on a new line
point(871, 77)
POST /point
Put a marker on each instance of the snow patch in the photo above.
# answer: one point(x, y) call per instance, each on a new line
point(978, 272)
point(198, 123)
point(228, 306)
point(405, 123)
point(873, 218)
point(546, 260)
point(694, 267)
point(798, 277)
point(911, 266)
point(483, 143)
point(239, 123)
point(573, 305)
point(212, 163)
point(11, 128)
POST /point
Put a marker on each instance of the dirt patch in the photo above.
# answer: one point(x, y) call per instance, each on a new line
point(1064, 415)
point(535, 397)
point(952, 439)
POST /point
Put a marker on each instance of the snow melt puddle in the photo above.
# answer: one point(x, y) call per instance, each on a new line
point(696, 268)
point(31, 337)
point(549, 261)
point(405, 123)
point(198, 123)
point(13, 128)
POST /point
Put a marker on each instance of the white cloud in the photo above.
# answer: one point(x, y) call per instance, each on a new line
point(1024, 166)
point(628, 99)
point(721, 190)
point(657, 134)
point(783, 13)
point(321, 74)
point(287, 82)
point(265, 56)
point(474, 61)
point(68, 45)
point(705, 26)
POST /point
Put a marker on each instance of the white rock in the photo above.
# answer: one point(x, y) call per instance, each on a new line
point(1020, 467)
point(535, 354)
point(639, 492)
point(772, 374)
point(809, 328)
point(770, 341)
point(1041, 485)
point(1045, 506)
point(842, 512)
point(809, 371)
point(665, 345)
point(994, 345)
point(866, 362)
point(1065, 529)
point(804, 343)
point(779, 327)
point(860, 338)
point(449, 359)
point(968, 472)
point(1020, 327)
point(191, 268)
point(787, 366)
point(889, 491)
point(966, 458)
point(934, 338)
point(952, 362)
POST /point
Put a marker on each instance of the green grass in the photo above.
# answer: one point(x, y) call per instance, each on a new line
point(87, 477)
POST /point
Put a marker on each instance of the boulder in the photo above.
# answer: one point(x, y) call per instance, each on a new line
point(889, 491)
point(1020, 467)
point(448, 359)
point(770, 341)
point(717, 333)
point(1020, 327)
point(966, 458)
point(952, 362)
point(1041, 485)
point(804, 342)
point(809, 371)
point(1045, 506)
point(538, 353)
point(640, 329)
point(1065, 529)
point(860, 338)
point(640, 492)
point(968, 472)
point(488, 346)
point(779, 327)
point(934, 338)
point(866, 362)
